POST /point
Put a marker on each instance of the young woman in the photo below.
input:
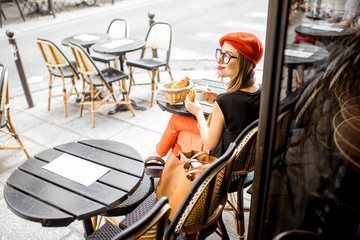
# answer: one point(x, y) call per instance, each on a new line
point(232, 110)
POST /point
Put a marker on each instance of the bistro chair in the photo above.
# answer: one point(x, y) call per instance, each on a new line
point(200, 213)
point(35, 6)
point(118, 28)
point(2, 14)
point(158, 38)
point(7, 127)
point(243, 176)
point(142, 192)
point(59, 67)
point(98, 82)
point(150, 226)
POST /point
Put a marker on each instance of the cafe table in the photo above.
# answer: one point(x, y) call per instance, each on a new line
point(325, 31)
point(39, 195)
point(86, 40)
point(119, 47)
point(180, 108)
point(303, 55)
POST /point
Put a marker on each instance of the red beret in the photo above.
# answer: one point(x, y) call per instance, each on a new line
point(245, 43)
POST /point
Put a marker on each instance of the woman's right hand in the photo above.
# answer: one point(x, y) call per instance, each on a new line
point(210, 95)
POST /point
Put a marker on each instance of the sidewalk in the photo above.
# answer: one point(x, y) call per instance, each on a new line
point(40, 129)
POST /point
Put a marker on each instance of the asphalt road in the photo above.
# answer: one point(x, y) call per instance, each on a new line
point(197, 25)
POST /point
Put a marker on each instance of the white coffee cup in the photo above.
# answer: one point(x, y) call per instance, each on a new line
point(200, 93)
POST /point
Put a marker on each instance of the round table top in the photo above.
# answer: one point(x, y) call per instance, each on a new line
point(39, 195)
point(301, 53)
point(308, 30)
point(180, 108)
point(119, 46)
point(85, 39)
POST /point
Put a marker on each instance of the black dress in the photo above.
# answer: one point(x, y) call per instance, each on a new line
point(239, 109)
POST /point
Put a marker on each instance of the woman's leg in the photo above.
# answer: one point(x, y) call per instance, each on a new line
point(176, 124)
point(188, 141)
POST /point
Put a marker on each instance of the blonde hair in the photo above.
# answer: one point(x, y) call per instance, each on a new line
point(244, 74)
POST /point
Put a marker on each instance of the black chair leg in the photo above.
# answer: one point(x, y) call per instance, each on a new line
point(1, 14)
point(21, 13)
point(222, 228)
point(51, 8)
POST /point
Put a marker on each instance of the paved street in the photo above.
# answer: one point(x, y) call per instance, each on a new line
point(198, 25)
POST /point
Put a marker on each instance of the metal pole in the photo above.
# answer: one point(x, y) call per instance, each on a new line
point(151, 15)
point(19, 66)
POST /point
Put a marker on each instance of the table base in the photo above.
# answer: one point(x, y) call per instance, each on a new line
point(124, 107)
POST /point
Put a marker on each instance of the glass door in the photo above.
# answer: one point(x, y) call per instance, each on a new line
point(308, 155)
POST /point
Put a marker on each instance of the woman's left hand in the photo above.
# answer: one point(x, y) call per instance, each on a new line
point(193, 107)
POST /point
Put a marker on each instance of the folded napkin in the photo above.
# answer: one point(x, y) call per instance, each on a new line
point(326, 28)
point(297, 53)
point(117, 43)
point(86, 37)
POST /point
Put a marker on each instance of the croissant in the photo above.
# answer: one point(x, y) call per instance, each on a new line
point(180, 84)
point(192, 95)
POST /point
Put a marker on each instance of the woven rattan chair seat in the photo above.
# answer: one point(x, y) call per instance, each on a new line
point(101, 57)
point(110, 75)
point(140, 211)
point(147, 63)
point(66, 71)
point(142, 192)
point(106, 232)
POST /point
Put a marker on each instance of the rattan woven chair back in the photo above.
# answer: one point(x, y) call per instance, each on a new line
point(245, 160)
point(158, 40)
point(95, 81)
point(242, 176)
point(118, 28)
point(86, 65)
point(58, 66)
point(208, 196)
point(84, 62)
point(52, 55)
point(150, 226)
point(6, 127)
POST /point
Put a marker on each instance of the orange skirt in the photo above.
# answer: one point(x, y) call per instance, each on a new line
point(181, 134)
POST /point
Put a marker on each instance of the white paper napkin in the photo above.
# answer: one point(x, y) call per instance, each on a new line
point(297, 53)
point(86, 37)
point(327, 28)
point(76, 169)
point(117, 43)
